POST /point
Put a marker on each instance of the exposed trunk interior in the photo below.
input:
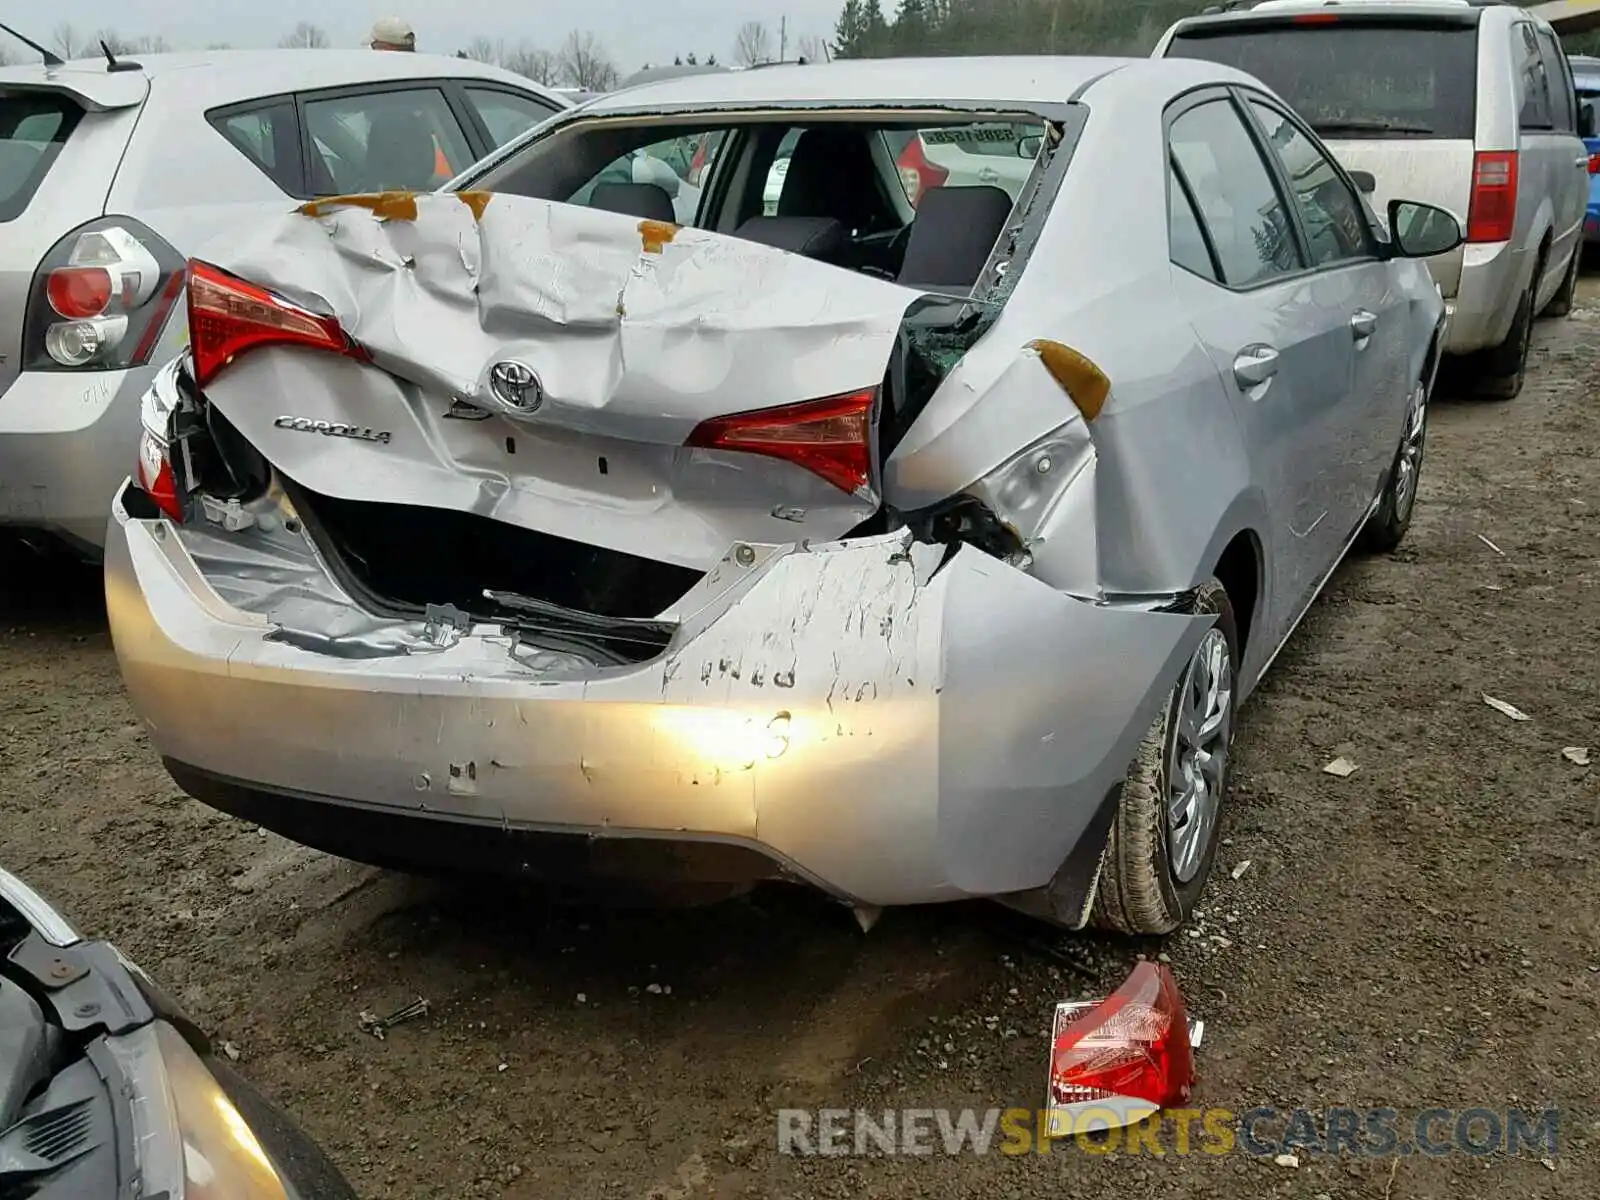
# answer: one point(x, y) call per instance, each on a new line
point(413, 557)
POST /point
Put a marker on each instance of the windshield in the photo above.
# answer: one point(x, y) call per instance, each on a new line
point(1356, 81)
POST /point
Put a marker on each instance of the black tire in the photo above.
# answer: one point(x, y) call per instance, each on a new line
point(1140, 893)
point(1387, 527)
point(1561, 303)
point(1502, 369)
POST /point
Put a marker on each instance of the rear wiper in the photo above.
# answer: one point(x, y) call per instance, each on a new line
point(1369, 125)
point(540, 616)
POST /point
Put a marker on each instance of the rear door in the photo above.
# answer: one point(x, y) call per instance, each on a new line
point(1283, 350)
point(1353, 282)
point(59, 151)
point(1392, 93)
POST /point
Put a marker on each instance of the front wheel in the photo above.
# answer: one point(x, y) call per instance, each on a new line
point(1165, 835)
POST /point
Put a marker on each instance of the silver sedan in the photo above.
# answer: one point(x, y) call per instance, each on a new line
point(913, 552)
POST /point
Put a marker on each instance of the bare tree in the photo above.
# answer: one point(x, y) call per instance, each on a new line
point(304, 36)
point(485, 50)
point(67, 42)
point(219, 46)
point(753, 44)
point(585, 63)
point(533, 63)
point(814, 49)
point(102, 40)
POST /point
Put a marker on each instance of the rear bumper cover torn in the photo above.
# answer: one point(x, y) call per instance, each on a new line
point(890, 721)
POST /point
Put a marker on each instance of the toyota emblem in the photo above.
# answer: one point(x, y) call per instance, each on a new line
point(515, 385)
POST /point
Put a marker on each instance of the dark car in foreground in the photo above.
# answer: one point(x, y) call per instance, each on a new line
point(108, 1092)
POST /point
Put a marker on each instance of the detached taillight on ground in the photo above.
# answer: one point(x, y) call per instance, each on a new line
point(1116, 1062)
point(918, 173)
point(831, 438)
point(1492, 211)
point(229, 316)
point(101, 298)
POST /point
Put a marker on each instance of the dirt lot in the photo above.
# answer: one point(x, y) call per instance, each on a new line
point(1425, 933)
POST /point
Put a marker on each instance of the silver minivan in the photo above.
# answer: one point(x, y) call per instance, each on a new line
point(1467, 104)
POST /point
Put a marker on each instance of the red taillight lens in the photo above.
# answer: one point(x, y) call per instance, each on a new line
point(831, 438)
point(79, 292)
point(1492, 213)
point(101, 298)
point(917, 173)
point(1134, 1046)
point(156, 478)
point(1315, 19)
point(1594, 164)
point(228, 316)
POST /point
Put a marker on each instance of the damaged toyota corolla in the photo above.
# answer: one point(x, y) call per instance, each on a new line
point(915, 541)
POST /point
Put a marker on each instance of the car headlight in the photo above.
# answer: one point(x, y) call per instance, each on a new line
point(190, 1142)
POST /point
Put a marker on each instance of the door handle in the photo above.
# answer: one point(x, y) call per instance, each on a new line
point(1254, 366)
point(1363, 325)
point(990, 175)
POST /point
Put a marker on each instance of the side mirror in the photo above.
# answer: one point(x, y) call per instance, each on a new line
point(1587, 121)
point(1422, 230)
point(1029, 147)
point(1364, 180)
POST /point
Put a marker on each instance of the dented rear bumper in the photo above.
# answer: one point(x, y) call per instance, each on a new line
point(891, 722)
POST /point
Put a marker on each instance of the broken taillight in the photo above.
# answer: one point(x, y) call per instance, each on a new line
point(154, 473)
point(229, 315)
point(831, 437)
point(1130, 1054)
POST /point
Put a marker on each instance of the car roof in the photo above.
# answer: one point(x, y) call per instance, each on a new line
point(241, 74)
point(1000, 81)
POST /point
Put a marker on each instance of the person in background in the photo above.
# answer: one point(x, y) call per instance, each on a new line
point(392, 33)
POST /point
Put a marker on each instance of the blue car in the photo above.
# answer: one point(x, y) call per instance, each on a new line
point(1586, 74)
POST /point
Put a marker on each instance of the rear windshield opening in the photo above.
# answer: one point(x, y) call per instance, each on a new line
point(841, 190)
point(1358, 81)
point(32, 131)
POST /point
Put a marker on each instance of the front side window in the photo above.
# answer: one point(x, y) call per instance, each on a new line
point(507, 115)
point(405, 139)
point(1238, 202)
point(1330, 212)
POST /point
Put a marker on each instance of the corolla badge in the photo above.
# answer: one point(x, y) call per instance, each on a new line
point(515, 385)
point(335, 429)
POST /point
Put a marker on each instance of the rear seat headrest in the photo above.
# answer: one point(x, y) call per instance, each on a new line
point(952, 234)
point(648, 201)
point(815, 237)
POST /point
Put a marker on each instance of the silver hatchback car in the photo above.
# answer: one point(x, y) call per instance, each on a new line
point(916, 553)
point(1467, 104)
point(113, 173)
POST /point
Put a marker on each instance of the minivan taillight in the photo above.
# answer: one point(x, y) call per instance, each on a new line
point(229, 316)
point(831, 437)
point(1492, 213)
point(100, 298)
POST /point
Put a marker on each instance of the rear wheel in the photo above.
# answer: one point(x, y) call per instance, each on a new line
point(1388, 525)
point(1502, 369)
point(1165, 835)
point(1561, 303)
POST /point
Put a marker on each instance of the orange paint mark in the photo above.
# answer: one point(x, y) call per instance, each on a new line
point(656, 234)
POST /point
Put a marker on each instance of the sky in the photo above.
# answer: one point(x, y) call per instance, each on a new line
point(635, 32)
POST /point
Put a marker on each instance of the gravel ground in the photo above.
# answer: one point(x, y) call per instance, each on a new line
point(1424, 933)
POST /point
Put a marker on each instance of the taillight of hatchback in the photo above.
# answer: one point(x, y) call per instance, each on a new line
point(918, 173)
point(1492, 212)
point(100, 298)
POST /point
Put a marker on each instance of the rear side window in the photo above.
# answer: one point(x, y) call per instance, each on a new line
point(1238, 202)
point(507, 115)
point(1532, 82)
point(269, 136)
point(1349, 80)
point(1188, 242)
point(405, 139)
point(33, 128)
point(1563, 99)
